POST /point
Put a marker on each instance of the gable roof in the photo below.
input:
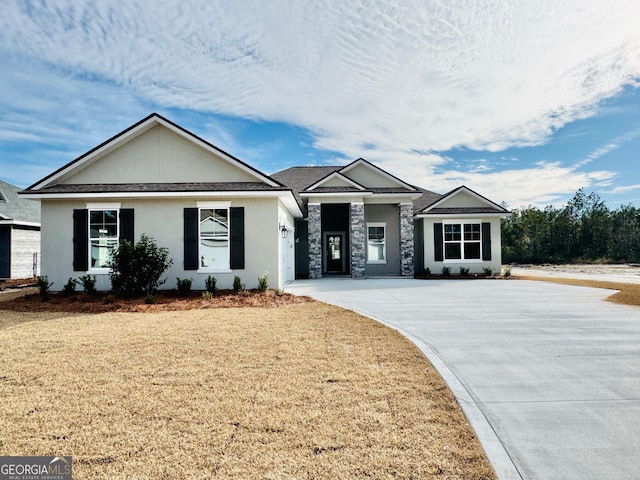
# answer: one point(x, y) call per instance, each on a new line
point(303, 180)
point(14, 209)
point(438, 206)
point(132, 132)
point(362, 162)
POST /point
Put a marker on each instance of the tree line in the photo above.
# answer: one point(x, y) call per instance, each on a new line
point(584, 230)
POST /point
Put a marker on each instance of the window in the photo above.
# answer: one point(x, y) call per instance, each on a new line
point(103, 236)
point(214, 238)
point(462, 241)
point(376, 243)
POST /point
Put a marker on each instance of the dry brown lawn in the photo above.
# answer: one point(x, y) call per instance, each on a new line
point(305, 391)
point(627, 294)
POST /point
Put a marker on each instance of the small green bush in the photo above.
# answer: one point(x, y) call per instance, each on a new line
point(446, 271)
point(279, 292)
point(45, 287)
point(210, 284)
point(464, 271)
point(89, 284)
point(488, 271)
point(427, 271)
point(507, 271)
point(137, 269)
point(237, 284)
point(184, 286)
point(263, 282)
point(69, 287)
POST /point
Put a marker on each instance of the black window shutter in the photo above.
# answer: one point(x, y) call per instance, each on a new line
point(486, 241)
point(191, 239)
point(126, 225)
point(438, 242)
point(81, 240)
point(237, 238)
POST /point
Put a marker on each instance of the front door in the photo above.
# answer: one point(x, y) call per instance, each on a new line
point(335, 252)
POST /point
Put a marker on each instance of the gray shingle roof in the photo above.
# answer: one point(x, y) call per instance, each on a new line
point(14, 208)
point(156, 187)
point(300, 178)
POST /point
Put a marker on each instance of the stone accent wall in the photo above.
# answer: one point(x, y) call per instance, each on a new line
point(406, 240)
point(357, 240)
point(315, 240)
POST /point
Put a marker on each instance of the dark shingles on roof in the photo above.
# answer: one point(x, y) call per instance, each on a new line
point(301, 178)
point(157, 187)
point(15, 208)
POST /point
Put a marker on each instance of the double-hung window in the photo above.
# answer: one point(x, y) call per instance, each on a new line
point(104, 231)
point(376, 242)
point(462, 241)
point(214, 239)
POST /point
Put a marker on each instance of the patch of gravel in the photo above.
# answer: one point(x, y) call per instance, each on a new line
point(625, 273)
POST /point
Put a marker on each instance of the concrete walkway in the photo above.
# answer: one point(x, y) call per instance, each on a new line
point(548, 374)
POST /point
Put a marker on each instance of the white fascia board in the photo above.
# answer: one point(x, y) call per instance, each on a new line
point(462, 215)
point(336, 194)
point(384, 173)
point(98, 153)
point(134, 132)
point(452, 194)
point(19, 223)
point(347, 180)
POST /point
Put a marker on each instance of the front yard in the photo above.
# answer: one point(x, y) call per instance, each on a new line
point(300, 391)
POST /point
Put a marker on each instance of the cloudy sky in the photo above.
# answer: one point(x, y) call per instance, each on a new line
point(523, 101)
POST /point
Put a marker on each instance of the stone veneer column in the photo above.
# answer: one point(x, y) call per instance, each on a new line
point(357, 240)
point(406, 239)
point(315, 240)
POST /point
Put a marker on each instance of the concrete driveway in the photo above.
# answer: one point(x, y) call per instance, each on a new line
point(548, 374)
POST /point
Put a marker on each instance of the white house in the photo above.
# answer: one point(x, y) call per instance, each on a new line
point(219, 216)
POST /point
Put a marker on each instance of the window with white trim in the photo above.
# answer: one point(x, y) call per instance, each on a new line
point(104, 230)
point(214, 238)
point(376, 242)
point(462, 241)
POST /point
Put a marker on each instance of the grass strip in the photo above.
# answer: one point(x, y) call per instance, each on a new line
point(627, 293)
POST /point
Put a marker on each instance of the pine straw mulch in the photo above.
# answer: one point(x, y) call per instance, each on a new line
point(166, 300)
point(305, 390)
point(627, 294)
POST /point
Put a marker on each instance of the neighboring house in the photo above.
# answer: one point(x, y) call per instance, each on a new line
point(19, 234)
point(219, 216)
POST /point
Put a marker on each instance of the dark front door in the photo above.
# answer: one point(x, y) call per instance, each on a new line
point(334, 252)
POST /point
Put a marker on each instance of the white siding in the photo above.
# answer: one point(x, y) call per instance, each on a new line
point(24, 244)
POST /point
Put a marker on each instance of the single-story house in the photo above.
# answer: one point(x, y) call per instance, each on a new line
point(219, 216)
point(19, 234)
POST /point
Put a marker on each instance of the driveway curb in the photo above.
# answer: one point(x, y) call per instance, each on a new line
point(498, 456)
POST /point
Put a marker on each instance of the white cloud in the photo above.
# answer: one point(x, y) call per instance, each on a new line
point(609, 147)
point(391, 82)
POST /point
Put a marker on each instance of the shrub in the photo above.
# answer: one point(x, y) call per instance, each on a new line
point(69, 287)
point(427, 271)
point(210, 284)
point(263, 282)
point(207, 295)
point(137, 269)
point(507, 271)
point(488, 271)
point(184, 286)
point(279, 292)
point(464, 271)
point(89, 284)
point(446, 271)
point(45, 287)
point(237, 284)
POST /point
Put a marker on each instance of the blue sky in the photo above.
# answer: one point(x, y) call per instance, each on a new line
point(524, 102)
